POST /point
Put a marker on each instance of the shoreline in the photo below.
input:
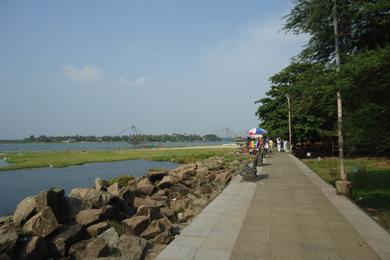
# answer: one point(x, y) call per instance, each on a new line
point(60, 159)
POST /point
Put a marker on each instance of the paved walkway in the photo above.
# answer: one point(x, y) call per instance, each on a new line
point(290, 214)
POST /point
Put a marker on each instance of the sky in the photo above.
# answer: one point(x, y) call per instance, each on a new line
point(173, 66)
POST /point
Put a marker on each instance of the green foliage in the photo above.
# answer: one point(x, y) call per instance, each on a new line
point(122, 180)
point(311, 79)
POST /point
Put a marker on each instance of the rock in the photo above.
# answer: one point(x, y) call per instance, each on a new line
point(135, 225)
point(78, 249)
point(79, 192)
point(163, 238)
point(55, 199)
point(151, 212)
point(34, 248)
point(138, 202)
point(152, 230)
point(199, 202)
point(114, 189)
point(167, 182)
point(154, 251)
point(145, 187)
point(68, 236)
point(97, 229)
point(111, 237)
point(165, 223)
point(179, 205)
point(76, 204)
point(132, 247)
point(8, 239)
point(97, 198)
point(42, 224)
point(156, 174)
point(24, 211)
point(167, 212)
point(180, 189)
point(190, 212)
point(127, 194)
point(201, 173)
point(101, 184)
point(222, 178)
point(89, 216)
point(185, 173)
point(96, 248)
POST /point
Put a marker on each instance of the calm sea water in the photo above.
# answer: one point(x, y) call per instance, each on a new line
point(18, 184)
point(16, 147)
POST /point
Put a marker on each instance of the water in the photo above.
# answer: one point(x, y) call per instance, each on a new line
point(21, 147)
point(3, 162)
point(17, 184)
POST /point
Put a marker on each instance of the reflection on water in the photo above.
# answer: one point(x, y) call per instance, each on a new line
point(16, 185)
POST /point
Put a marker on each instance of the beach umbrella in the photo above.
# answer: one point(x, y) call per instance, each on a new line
point(257, 131)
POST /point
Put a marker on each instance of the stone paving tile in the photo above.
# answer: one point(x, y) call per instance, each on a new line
point(300, 222)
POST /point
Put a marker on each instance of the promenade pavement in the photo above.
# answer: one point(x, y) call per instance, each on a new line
point(290, 214)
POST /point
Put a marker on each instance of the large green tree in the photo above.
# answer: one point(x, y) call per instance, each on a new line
point(311, 79)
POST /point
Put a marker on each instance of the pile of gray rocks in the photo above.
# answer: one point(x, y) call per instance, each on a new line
point(133, 221)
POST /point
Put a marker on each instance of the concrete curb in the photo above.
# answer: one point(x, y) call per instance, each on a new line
point(213, 233)
point(373, 234)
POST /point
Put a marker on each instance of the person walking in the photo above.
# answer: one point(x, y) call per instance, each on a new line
point(278, 144)
point(285, 146)
point(271, 145)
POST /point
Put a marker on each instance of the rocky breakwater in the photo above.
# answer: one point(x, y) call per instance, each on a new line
point(131, 220)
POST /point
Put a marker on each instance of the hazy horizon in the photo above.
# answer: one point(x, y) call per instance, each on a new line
point(94, 68)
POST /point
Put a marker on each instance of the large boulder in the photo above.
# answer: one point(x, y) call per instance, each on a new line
point(160, 195)
point(101, 184)
point(185, 172)
point(138, 202)
point(222, 178)
point(97, 229)
point(201, 173)
point(42, 224)
point(132, 247)
point(167, 212)
point(165, 224)
point(145, 187)
point(167, 182)
point(76, 204)
point(127, 194)
point(90, 249)
point(163, 238)
point(68, 236)
point(114, 189)
point(152, 230)
point(79, 192)
point(110, 236)
point(34, 248)
point(8, 239)
point(135, 225)
point(179, 205)
point(55, 199)
point(97, 198)
point(24, 211)
point(151, 212)
point(156, 174)
point(89, 216)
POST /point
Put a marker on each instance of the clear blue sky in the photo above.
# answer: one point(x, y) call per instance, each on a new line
point(95, 67)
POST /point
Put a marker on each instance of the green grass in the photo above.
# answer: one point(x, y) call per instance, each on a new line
point(65, 158)
point(370, 179)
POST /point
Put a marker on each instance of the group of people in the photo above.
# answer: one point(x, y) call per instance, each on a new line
point(267, 144)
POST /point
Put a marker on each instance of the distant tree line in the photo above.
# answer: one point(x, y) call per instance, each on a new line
point(312, 80)
point(124, 138)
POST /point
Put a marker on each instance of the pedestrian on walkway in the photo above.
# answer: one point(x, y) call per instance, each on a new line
point(285, 145)
point(278, 144)
point(271, 145)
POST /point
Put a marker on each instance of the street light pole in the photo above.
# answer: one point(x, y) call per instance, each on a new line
point(343, 187)
point(289, 121)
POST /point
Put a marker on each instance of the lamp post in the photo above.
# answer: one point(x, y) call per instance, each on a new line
point(289, 121)
point(343, 186)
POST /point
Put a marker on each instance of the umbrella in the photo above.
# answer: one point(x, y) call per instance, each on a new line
point(257, 131)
